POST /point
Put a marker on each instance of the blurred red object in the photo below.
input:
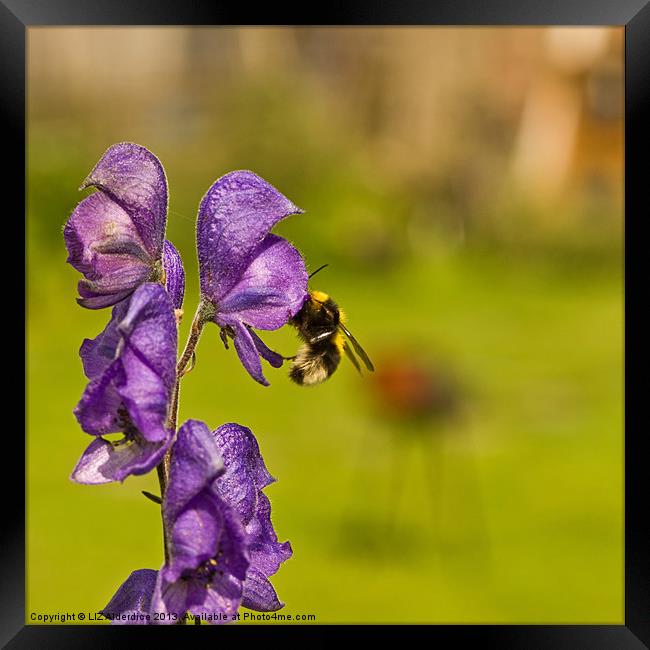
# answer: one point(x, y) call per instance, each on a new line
point(407, 388)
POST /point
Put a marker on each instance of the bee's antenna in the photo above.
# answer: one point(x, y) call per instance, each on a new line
point(320, 268)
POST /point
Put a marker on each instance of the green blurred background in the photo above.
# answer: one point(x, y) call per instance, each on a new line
point(465, 187)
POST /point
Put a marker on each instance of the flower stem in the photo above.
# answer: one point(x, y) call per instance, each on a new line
point(202, 312)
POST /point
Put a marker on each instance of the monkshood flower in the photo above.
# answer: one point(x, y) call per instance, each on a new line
point(131, 367)
point(222, 545)
point(249, 277)
point(116, 236)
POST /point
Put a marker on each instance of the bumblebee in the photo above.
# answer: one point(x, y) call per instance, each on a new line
point(320, 324)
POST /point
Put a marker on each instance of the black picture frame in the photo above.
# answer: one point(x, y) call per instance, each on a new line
point(18, 15)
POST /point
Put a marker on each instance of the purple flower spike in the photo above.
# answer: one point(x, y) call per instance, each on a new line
point(131, 603)
point(131, 366)
point(115, 236)
point(250, 277)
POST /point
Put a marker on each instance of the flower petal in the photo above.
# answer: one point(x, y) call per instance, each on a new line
point(195, 463)
point(99, 222)
point(276, 360)
point(149, 329)
point(223, 596)
point(133, 597)
point(233, 557)
point(235, 215)
point(245, 471)
point(169, 598)
point(174, 274)
point(271, 289)
point(267, 554)
point(247, 352)
point(148, 358)
point(97, 409)
point(103, 461)
point(135, 178)
point(195, 534)
point(98, 353)
point(104, 245)
point(259, 594)
point(92, 300)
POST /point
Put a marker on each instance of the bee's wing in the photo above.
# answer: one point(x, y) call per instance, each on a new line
point(350, 355)
point(357, 348)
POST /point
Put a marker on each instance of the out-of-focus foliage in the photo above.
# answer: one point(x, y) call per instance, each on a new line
point(465, 186)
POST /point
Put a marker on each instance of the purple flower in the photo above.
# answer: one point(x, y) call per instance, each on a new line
point(116, 236)
point(249, 278)
point(222, 546)
point(131, 367)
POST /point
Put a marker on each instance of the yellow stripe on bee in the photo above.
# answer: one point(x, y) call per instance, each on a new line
point(320, 296)
point(339, 341)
